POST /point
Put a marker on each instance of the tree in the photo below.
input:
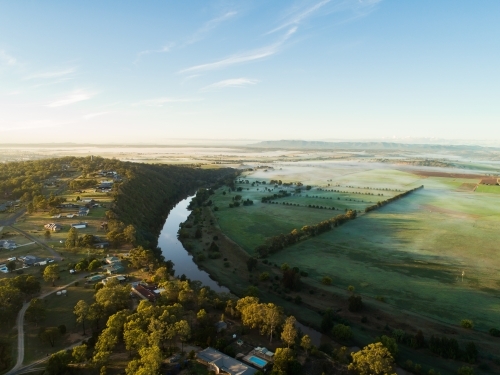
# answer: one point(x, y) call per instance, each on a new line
point(183, 332)
point(58, 363)
point(47, 234)
point(285, 362)
point(289, 333)
point(327, 321)
point(113, 298)
point(11, 266)
point(305, 343)
point(51, 273)
point(390, 344)
point(251, 264)
point(271, 316)
point(81, 311)
point(465, 370)
point(95, 264)
point(374, 359)
point(30, 208)
point(49, 335)
point(466, 323)
point(79, 353)
point(36, 311)
point(72, 239)
point(355, 303)
point(342, 332)
point(12, 301)
point(326, 280)
point(130, 234)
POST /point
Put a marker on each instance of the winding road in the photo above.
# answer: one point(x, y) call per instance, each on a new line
point(20, 331)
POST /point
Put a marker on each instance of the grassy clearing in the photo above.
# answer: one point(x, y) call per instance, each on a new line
point(491, 189)
point(59, 311)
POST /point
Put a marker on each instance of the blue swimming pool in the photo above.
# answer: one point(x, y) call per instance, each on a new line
point(257, 361)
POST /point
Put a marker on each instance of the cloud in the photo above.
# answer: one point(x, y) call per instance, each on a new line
point(359, 8)
point(52, 74)
point(72, 98)
point(31, 125)
point(296, 18)
point(92, 115)
point(164, 49)
point(253, 55)
point(210, 25)
point(6, 58)
point(234, 82)
point(160, 102)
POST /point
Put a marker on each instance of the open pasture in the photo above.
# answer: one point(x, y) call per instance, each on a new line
point(413, 253)
point(356, 189)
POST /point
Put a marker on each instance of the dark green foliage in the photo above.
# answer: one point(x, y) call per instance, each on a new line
point(251, 264)
point(355, 303)
point(5, 355)
point(495, 332)
point(327, 321)
point(395, 198)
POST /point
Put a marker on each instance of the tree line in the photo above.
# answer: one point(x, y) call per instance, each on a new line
point(279, 242)
point(392, 199)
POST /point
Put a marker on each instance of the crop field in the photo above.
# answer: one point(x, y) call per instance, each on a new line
point(492, 189)
point(433, 252)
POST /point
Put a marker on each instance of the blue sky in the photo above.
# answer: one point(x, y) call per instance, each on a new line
point(129, 71)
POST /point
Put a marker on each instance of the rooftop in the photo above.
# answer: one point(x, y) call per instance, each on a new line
point(224, 362)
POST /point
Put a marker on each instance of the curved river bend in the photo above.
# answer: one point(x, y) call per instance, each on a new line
point(173, 250)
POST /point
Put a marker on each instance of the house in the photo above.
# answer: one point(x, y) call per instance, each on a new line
point(219, 326)
point(144, 292)
point(83, 212)
point(53, 227)
point(79, 225)
point(8, 244)
point(114, 268)
point(30, 260)
point(111, 260)
point(223, 364)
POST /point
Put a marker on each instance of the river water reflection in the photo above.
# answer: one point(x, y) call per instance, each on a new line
point(173, 250)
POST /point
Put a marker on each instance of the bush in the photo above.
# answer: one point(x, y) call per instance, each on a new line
point(494, 332)
point(264, 276)
point(466, 323)
point(62, 329)
point(342, 332)
point(465, 370)
point(326, 280)
point(355, 303)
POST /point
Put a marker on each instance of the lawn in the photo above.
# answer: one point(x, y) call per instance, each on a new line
point(492, 189)
point(59, 311)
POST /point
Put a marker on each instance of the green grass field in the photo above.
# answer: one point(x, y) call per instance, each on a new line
point(492, 189)
point(412, 252)
point(59, 311)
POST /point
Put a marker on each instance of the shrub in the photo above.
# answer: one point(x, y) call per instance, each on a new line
point(466, 323)
point(342, 332)
point(355, 303)
point(326, 280)
point(465, 370)
point(264, 276)
point(494, 332)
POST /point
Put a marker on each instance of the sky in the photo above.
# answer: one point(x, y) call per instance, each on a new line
point(160, 71)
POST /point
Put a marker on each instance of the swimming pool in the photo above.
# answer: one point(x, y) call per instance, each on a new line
point(259, 362)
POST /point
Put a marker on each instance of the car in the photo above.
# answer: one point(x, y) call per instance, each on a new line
point(72, 271)
point(12, 259)
point(50, 261)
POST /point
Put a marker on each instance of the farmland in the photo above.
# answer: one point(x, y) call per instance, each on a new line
point(433, 252)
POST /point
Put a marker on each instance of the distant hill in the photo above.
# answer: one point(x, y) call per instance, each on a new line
point(362, 146)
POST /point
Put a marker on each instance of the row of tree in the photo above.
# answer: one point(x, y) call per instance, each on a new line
point(281, 241)
point(392, 199)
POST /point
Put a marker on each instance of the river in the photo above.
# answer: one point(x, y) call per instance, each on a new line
point(173, 250)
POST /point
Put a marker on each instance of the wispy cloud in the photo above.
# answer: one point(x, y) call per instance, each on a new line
point(52, 74)
point(234, 82)
point(253, 55)
point(72, 98)
point(6, 58)
point(90, 116)
point(210, 25)
point(164, 49)
point(160, 102)
point(298, 16)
